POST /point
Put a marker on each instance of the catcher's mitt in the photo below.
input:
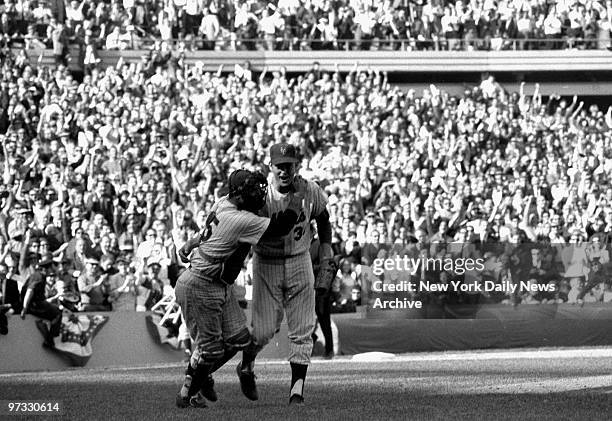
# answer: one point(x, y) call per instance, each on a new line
point(326, 275)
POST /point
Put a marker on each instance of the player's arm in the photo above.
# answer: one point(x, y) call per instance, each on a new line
point(282, 223)
point(187, 248)
point(324, 229)
point(192, 243)
point(233, 264)
point(27, 299)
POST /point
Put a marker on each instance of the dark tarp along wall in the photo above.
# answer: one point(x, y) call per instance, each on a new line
point(493, 326)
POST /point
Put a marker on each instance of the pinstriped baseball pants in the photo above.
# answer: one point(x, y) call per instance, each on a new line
point(284, 285)
point(210, 311)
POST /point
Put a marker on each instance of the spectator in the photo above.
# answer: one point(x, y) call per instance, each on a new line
point(404, 171)
point(193, 14)
point(10, 300)
point(93, 285)
point(210, 28)
point(41, 12)
point(66, 287)
point(165, 27)
point(35, 301)
point(150, 288)
point(122, 292)
point(364, 26)
point(79, 256)
point(113, 39)
point(379, 25)
point(60, 43)
point(342, 289)
point(576, 20)
point(524, 26)
point(597, 278)
point(32, 40)
point(552, 29)
point(74, 11)
point(268, 26)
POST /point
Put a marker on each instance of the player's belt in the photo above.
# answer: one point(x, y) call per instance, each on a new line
point(205, 276)
point(201, 274)
point(211, 259)
point(286, 256)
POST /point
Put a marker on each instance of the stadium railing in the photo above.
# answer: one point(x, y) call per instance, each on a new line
point(233, 43)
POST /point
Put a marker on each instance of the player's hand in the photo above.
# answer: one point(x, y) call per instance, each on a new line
point(297, 197)
point(300, 185)
point(297, 202)
point(184, 255)
point(325, 252)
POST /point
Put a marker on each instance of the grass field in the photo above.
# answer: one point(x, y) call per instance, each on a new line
point(555, 385)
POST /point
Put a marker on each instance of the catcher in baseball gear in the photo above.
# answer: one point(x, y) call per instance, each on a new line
point(251, 194)
point(248, 190)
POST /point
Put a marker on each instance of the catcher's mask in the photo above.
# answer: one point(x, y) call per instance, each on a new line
point(248, 189)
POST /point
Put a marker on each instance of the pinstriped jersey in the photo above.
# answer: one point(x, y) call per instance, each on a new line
point(298, 240)
point(226, 226)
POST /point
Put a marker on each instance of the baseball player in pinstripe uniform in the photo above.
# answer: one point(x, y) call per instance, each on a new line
point(216, 323)
point(283, 279)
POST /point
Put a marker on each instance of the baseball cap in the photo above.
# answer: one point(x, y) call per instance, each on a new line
point(282, 153)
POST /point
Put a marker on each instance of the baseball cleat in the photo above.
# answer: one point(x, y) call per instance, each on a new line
point(296, 400)
point(247, 382)
point(182, 402)
point(208, 389)
point(195, 401)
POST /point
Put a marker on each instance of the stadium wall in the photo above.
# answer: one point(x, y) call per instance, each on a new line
point(125, 342)
point(476, 327)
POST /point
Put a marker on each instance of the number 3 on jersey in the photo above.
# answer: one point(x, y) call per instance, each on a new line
point(299, 230)
point(212, 219)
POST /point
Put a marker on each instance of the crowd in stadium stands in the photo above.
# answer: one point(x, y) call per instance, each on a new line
point(316, 24)
point(104, 179)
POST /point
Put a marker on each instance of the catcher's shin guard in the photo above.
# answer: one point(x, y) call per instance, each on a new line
point(228, 355)
point(239, 341)
point(234, 344)
point(201, 362)
point(189, 373)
